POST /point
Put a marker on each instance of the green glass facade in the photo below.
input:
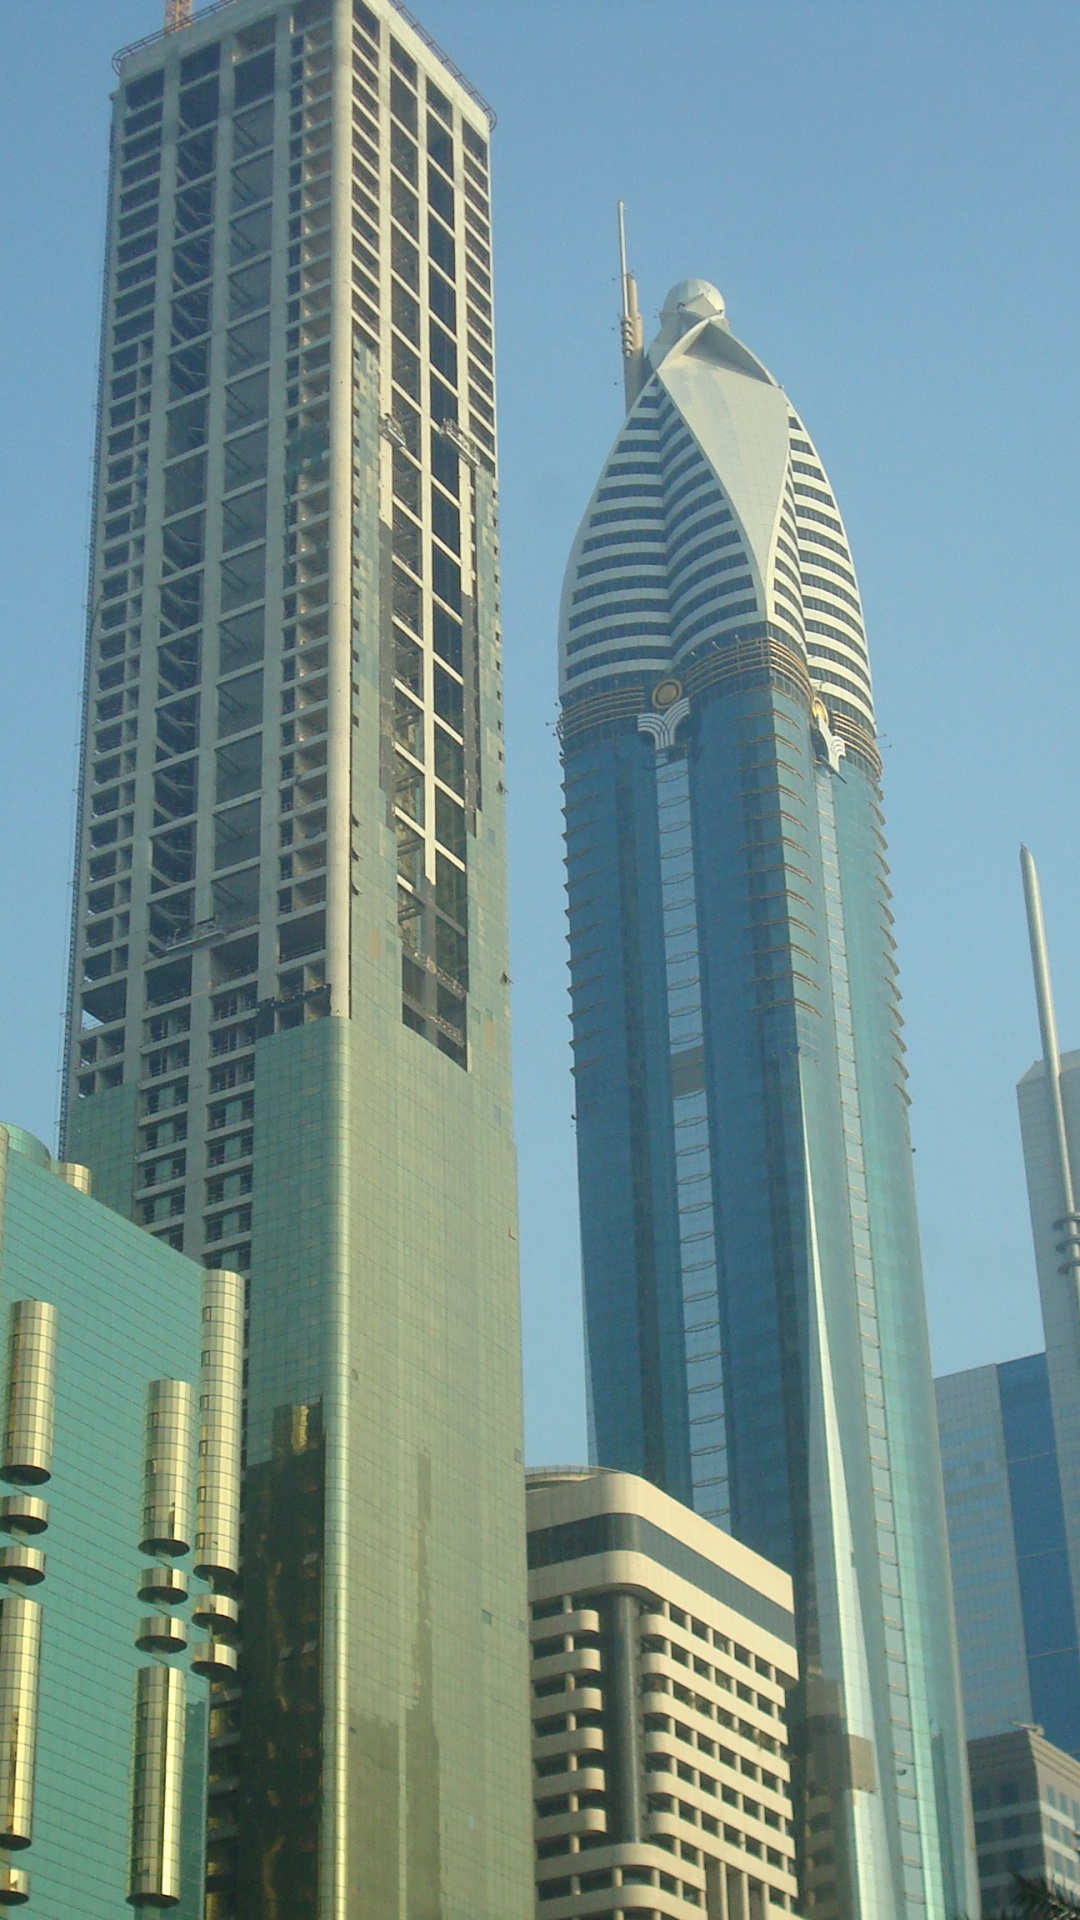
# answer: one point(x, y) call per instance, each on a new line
point(289, 1045)
point(128, 1312)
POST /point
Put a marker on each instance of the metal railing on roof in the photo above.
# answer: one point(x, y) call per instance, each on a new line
point(218, 6)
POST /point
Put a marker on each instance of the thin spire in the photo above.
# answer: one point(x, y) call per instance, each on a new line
point(631, 327)
point(1044, 996)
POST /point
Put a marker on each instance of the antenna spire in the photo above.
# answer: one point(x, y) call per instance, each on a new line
point(631, 327)
point(1044, 996)
point(178, 14)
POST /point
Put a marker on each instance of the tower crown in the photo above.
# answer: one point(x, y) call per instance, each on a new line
point(693, 300)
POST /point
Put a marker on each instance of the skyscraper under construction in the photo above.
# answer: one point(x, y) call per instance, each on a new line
point(289, 1044)
point(754, 1304)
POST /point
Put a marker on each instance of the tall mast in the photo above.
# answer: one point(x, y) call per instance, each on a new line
point(631, 328)
point(178, 13)
point(1044, 996)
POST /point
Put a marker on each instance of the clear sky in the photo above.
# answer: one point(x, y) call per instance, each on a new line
point(887, 195)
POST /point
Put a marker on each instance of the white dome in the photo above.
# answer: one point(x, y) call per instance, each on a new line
point(693, 300)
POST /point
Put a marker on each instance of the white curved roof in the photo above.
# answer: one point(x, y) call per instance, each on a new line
point(739, 418)
point(796, 567)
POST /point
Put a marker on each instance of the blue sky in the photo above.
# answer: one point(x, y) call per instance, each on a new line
point(886, 195)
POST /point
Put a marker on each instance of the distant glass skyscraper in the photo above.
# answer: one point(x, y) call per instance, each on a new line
point(1010, 1435)
point(289, 1045)
point(754, 1305)
point(1015, 1618)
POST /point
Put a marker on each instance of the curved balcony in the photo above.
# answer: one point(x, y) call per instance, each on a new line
point(14, 1886)
point(579, 1660)
point(584, 1620)
point(568, 1700)
point(218, 1613)
point(24, 1513)
point(576, 1780)
point(161, 1633)
point(214, 1659)
point(657, 1623)
point(588, 1740)
point(585, 1820)
point(23, 1565)
point(163, 1586)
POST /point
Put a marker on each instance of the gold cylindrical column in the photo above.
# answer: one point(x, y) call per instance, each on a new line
point(170, 1444)
point(217, 1527)
point(20, 1660)
point(157, 1794)
point(75, 1176)
point(31, 1392)
point(14, 1885)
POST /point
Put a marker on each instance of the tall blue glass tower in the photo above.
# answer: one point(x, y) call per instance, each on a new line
point(754, 1305)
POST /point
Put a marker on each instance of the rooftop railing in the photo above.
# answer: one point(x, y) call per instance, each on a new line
point(219, 6)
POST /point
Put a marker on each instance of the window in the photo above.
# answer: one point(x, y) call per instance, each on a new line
point(404, 206)
point(253, 129)
point(408, 724)
point(440, 144)
point(182, 543)
point(406, 481)
point(443, 299)
point(442, 249)
point(196, 157)
point(406, 541)
point(406, 316)
point(253, 180)
point(404, 258)
point(239, 768)
point(193, 261)
point(444, 353)
point(250, 234)
point(449, 698)
point(446, 579)
point(189, 370)
point(449, 761)
point(254, 78)
point(185, 485)
point(185, 428)
point(245, 459)
point(450, 824)
point(447, 637)
point(240, 703)
point(445, 464)
point(249, 288)
point(408, 663)
point(403, 103)
point(199, 104)
point(240, 640)
point(409, 789)
point(243, 518)
point(446, 521)
point(247, 345)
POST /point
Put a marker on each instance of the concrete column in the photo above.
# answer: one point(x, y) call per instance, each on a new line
point(716, 1903)
point(738, 1895)
point(339, 677)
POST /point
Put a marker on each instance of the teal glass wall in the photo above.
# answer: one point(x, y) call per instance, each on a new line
point(753, 1293)
point(1015, 1607)
point(129, 1311)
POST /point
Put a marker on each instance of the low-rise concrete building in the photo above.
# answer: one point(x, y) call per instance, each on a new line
point(662, 1652)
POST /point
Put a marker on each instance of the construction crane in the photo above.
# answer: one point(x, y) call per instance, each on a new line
point(178, 14)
